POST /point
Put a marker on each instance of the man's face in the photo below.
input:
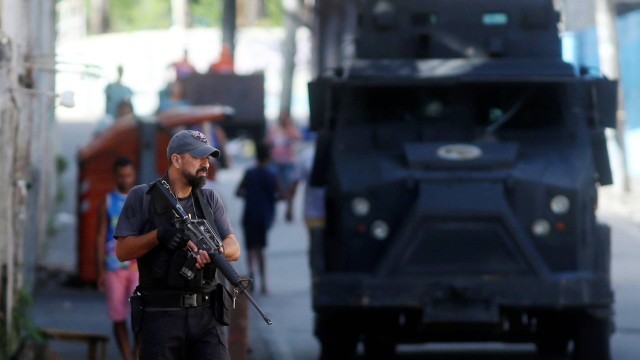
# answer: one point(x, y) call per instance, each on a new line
point(194, 170)
point(125, 178)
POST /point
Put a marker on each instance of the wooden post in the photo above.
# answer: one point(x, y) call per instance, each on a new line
point(239, 329)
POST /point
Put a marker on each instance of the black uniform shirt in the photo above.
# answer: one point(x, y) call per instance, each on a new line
point(136, 219)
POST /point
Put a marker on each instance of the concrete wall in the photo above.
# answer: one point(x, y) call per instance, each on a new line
point(26, 109)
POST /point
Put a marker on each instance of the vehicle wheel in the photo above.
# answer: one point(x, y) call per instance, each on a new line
point(338, 335)
point(553, 337)
point(552, 347)
point(379, 342)
point(592, 339)
point(379, 346)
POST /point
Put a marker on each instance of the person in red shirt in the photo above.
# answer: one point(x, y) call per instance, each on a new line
point(224, 65)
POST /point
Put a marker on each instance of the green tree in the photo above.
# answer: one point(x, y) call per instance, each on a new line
point(206, 13)
point(274, 13)
point(131, 15)
point(209, 13)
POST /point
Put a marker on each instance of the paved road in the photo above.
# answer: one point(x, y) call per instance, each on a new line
point(290, 336)
point(288, 303)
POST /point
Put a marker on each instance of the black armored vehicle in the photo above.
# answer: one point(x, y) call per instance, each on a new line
point(461, 159)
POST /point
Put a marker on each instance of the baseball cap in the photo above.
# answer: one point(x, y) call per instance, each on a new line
point(192, 142)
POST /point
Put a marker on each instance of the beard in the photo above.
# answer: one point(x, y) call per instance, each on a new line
point(196, 181)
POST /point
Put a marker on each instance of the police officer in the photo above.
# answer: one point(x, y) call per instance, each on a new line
point(177, 319)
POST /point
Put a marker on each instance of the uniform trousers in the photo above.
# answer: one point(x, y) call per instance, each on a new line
point(181, 333)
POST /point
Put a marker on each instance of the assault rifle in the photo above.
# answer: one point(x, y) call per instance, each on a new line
point(206, 239)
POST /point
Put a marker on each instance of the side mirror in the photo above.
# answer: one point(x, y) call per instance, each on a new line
point(604, 102)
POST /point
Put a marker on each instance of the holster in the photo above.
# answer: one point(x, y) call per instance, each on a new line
point(222, 304)
point(136, 312)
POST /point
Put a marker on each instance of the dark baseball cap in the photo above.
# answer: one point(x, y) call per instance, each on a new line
point(192, 142)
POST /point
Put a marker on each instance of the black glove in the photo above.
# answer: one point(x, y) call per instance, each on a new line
point(172, 237)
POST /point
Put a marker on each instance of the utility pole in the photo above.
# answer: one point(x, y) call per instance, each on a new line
point(296, 15)
point(605, 17)
point(229, 12)
point(100, 16)
point(289, 54)
point(180, 14)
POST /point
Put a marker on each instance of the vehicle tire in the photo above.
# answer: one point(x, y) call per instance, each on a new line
point(552, 347)
point(338, 335)
point(592, 339)
point(379, 346)
point(553, 337)
point(379, 330)
point(603, 250)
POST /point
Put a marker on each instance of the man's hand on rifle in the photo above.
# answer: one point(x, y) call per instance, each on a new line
point(203, 257)
point(172, 237)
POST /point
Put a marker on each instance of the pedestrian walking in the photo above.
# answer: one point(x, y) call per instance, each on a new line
point(174, 99)
point(282, 139)
point(115, 93)
point(117, 279)
point(260, 190)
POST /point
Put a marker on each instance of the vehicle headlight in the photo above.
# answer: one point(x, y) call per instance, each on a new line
point(379, 230)
point(540, 228)
point(360, 206)
point(560, 204)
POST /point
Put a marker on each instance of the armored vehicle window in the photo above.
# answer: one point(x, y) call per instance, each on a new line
point(393, 104)
point(526, 105)
point(495, 19)
point(472, 109)
point(518, 107)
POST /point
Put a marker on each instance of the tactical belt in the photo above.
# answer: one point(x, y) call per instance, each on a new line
point(175, 300)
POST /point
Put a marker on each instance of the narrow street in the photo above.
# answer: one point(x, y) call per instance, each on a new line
point(288, 302)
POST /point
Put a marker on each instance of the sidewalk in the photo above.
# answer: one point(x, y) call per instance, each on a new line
point(626, 204)
point(73, 309)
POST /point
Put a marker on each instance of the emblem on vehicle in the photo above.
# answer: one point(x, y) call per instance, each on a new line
point(459, 152)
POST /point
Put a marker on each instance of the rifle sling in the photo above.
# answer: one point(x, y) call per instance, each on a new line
point(208, 212)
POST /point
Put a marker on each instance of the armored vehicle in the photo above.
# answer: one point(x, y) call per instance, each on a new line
point(461, 159)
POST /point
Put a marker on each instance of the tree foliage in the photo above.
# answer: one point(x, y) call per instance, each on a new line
point(131, 15)
point(207, 13)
